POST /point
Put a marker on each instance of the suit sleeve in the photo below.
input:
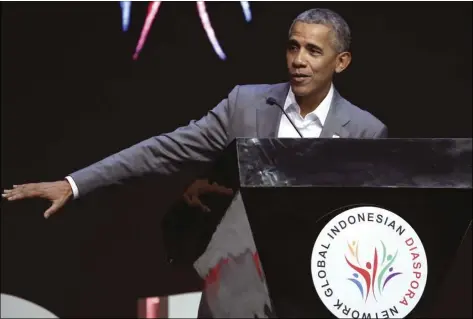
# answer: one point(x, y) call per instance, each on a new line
point(200, 142)
point(382, 133)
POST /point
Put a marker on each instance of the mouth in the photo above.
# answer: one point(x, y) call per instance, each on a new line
point(299, 78)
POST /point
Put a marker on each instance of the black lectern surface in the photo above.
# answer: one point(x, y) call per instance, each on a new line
point(359, 228)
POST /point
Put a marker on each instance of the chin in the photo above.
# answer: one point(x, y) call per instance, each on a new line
point(300, 90)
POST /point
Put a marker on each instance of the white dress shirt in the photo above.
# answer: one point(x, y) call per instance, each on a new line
point(309, 126)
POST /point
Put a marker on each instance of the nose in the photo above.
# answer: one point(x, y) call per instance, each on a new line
point(299, 60)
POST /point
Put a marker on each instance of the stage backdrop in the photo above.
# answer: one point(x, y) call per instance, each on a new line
point(72, 94)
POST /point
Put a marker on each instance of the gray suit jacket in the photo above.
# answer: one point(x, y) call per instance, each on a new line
point(244, 113)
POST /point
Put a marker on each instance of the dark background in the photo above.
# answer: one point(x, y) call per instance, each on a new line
point(71, 95)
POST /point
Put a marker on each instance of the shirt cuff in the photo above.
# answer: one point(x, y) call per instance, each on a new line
point(75, 189)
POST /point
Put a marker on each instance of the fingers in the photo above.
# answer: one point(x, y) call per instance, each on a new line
point(201, 205)
point(194, 201)
point(21, 192)
point(56, 205)
point(38, 190)
point(216, 188)
point(10, 195)
point(187, 199)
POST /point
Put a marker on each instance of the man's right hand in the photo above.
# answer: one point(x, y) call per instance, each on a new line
point(57, 192)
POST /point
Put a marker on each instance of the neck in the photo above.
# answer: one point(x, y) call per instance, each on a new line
point(309, 103)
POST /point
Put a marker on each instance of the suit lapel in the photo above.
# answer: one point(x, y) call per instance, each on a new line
point(268, 116)
point(337, 119)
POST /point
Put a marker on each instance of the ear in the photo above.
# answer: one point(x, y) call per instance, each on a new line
point(343, 61)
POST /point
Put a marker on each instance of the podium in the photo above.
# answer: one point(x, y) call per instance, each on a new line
point(359, 228)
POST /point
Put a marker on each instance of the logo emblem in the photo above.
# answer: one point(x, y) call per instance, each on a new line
point(368, 262)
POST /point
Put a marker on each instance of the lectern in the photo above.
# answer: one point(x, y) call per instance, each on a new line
point(359, 228)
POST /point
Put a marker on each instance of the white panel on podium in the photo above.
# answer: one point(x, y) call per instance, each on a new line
point(184, 305)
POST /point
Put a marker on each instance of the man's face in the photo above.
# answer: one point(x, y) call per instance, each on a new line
point(312, 58)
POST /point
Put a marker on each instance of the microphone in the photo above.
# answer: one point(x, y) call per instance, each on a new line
point(272, 101)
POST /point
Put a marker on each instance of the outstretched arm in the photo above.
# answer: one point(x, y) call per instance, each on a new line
point(200, 142)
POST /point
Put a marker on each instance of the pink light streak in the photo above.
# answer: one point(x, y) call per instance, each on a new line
point(152, 11)
point(204, 18)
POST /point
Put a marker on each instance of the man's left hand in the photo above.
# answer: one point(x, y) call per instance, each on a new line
point(200, 187)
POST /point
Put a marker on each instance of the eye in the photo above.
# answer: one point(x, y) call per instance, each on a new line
point(315, 52)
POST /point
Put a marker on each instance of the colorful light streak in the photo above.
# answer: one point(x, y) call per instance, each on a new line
point(151, 15)
point(204, 19)
point(126, 13)
point(245, 5)
point(152, 11)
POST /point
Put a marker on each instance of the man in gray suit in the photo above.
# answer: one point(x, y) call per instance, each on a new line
point(318, 48)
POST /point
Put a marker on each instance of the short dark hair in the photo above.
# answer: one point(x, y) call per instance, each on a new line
point(330, 18)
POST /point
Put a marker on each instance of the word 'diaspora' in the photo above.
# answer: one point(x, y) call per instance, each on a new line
point(368, 262)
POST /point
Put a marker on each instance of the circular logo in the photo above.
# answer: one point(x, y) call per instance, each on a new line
point(368, 262)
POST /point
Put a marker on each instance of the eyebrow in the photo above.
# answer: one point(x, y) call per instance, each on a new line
point(315, 47)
